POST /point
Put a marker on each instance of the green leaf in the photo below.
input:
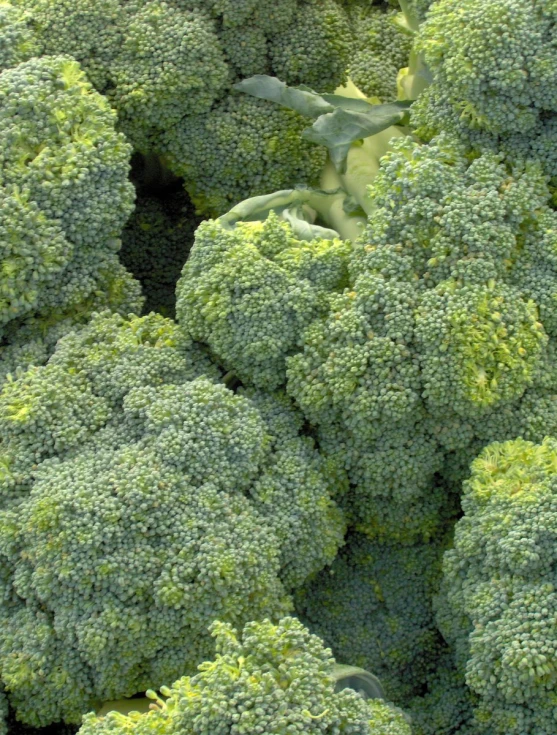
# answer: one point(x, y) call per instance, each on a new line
point(300, 99)
point(339, 129)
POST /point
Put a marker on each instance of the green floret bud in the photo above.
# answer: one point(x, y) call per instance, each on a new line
point(248, 292)
point(169, 65)
point(64, 192)
point(381, 47)
point(241, 148)
point(17, 39)
point(373, 607)
point(481, 345)
point(492, 63)
point(89, 33)
point(273, 678)
point(316, 47)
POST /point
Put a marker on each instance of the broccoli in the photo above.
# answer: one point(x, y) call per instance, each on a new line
point(249, 291)
point(170, 64)
point(275, 678)
point(373, 607)
point(64, 195)
point(498, 600)
point(444, 328)
point(381, 48)
point(18, 42)
point(445, 708)
point(141, 500)
point(240, 148)
point(438, 343)
point(493, 79)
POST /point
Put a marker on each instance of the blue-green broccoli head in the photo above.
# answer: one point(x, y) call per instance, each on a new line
point(248, 293)
point(373, 607)
point(141, 499)
point(500, 82)
point(498, 600)
point(64, 193)
point(17, 39)
point(273, 678)
point(241, 148)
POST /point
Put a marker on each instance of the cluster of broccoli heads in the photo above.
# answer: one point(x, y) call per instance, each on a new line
point(278, 376)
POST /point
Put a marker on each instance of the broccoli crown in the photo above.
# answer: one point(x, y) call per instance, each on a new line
point(316, 46)
point(155, 245)
point(242, 147)
point(491, 61)
point(17, 40)
point(274, 678)
point(443, 335)
point(498, 599)
point(445, 708)
point(64, 192)
point(381, 48)
point(493, 78)
point(248, 292)
point(438, 341)
point(169, 64)
point(91, 33)
point(141, 499)
point(373, 607)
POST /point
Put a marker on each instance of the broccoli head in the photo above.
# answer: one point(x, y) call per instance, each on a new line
point(374, 608)
point(17, 39)
point(493, 80)
point(249, 291)
point(498, 601)
point(444, 333)
point(381, 48)
point(64, 193)
point(240, 148)
point(168, 66)
point(141, 499)
point(274, 678)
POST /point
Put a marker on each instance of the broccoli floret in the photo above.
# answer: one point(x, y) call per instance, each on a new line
point(155, 245)
point(169, 65)
point(491, 61)
point(498, 600)
point(271, 16)
point(91, 33)
point(316, 47)
point(141, 499)
point(373, 607)
point(64, 193)
point(446, 706)
point(493, 78)
point(393, 493)
point(381, 48)
point(273, 679)
point(249, 291)
point(17, 40)
point(241, 148)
